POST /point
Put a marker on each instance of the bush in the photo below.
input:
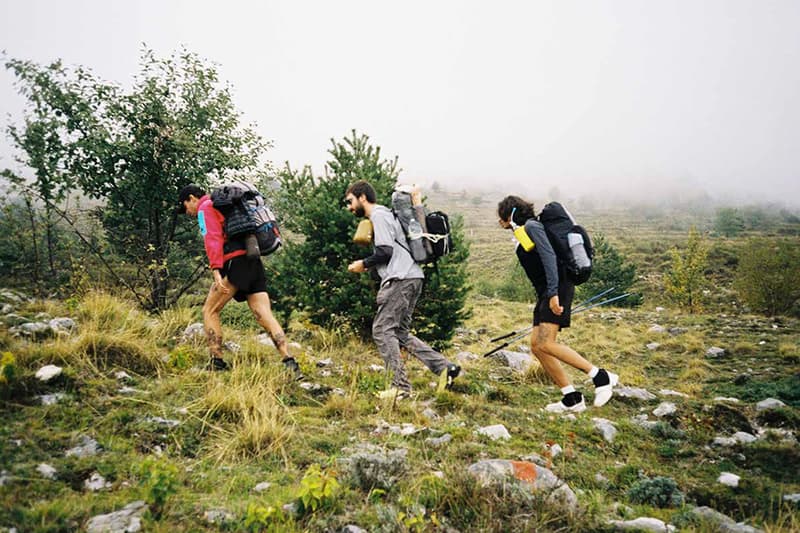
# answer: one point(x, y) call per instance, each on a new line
point(767, 277)
point(685, 280)
point(611, 269)
point(658, 492)
point(313, 274)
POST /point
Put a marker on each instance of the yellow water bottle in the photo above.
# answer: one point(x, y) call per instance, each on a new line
point(521, 235)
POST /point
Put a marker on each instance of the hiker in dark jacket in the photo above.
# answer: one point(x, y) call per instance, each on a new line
point(235, 276)
point(400, 287)
point(554, 293)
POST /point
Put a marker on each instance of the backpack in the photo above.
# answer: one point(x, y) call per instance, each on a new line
point(571, 242)
point(246, 213)
point(427, 234)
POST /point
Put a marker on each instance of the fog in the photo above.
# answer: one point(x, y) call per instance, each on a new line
point(614, 98)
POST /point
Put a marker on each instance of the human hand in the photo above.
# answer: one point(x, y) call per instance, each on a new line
point(219, 283)
point(356, 267)
point(416, 195)
point(555, 306)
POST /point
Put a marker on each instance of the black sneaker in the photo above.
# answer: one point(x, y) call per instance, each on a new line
point(604, 383)
point(453, 370)
point(217, 364)
point(292, 366)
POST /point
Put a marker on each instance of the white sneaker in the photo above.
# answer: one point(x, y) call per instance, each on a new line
point(393, 393)
point(559, 407)
point(603, 393)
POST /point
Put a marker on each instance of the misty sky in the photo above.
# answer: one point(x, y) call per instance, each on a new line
point(611, 95)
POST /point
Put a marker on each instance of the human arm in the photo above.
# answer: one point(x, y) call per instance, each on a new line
point(536, 232)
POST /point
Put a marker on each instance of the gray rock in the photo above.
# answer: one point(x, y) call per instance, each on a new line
point(643, 523)
point(715, 352)
point(350, 528)
point(676, 331)
point(295, 346)
point(51, 399)
point(729, 479)
point(46, 471)
point(261, 487)
point(517, 361)
point(600, 479)
point(291, 509)
point(159, 421)
point(724, 442)
point(495, 432)
point(540, 479)
point(6, 309)
point(430, 414)
point(34, 330)
point(653, 346)
point(403, 429)
point(660, 309)
point(369, 466)
point(87, 447)
point(669, 392)
point(726, 399)
point(744, 438)
point(5, 479)
point(338, 391)
point(793, 498)
point(635, 393)
point(535, 458)
point(14, 297)
point(376, 368)
point(96, 482)
point(463, 357)
point(665, 409)
point(723, 522)
point(265, 339)
point(606, 428)
point(48, 372)
point(655, 328)
point(62, 325)
point(129, 390)
point(642, 421)
point(126, 520)
point(233, 347)
point(217, 516)
point(12, 319)
point(194, 332)
point(324, 362)
point(438, 442)
point(122, 376)
point(769, 403)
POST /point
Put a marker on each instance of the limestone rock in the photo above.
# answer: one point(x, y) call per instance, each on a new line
point(376, 368)
point(731, 480)
point(744, 438)
point(322, 363)
point(642, 421)
point(669, 392)
point(87, 447)
point(51, 399)
point(606, 428)
point(655, 328)
point(438, 442)
point(540, 479)
point(724, 442)
point(723, 522)
point(194, 332)
point(217, 516)
point(47, 471)
point(369, 466)
point(34, 330)
point(518, 361)
point(126, 520)
point(265, 339)
point(495, 432)
point(653, 346)
point(96, 482)
point(769, 403)
point(463, 357)
point(715, 352)
point(261, 487)
point(635, 393)
point(48, 372)
point(665, 409)
point(643, 523)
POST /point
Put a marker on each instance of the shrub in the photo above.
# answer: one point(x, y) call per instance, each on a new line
point(7, 367)
point(159, 478)
point(767, 277)
point(611, 269)
point(317, 489)
point(658, 492)
point(685, 280)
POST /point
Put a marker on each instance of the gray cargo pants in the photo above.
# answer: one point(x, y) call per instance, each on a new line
point(390, 329)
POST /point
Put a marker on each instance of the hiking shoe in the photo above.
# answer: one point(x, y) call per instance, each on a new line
point(293, 367)
point(393, 393)
point(604, 383)
point(570, 403)
point(217, 364)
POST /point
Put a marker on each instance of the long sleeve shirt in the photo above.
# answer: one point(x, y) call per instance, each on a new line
point(212, 225)
point(540, 264)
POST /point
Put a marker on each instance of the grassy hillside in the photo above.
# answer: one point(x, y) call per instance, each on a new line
point(198, 446)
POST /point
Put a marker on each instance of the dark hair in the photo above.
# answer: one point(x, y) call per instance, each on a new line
point(524, 210)
point(189, 190)
point(360, 188)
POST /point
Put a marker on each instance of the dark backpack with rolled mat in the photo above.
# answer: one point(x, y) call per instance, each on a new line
point(571, 242)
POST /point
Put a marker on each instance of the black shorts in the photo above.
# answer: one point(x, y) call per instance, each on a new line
point(247, 275)
point(542, 312)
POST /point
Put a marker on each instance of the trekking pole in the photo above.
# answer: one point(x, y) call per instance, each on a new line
point(604, 302)
point(515, 332)
point(508, 342)
point(593, 298)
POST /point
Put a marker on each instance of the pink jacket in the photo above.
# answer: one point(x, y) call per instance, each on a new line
point(211, 224)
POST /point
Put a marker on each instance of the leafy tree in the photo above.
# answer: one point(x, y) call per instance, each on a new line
point(132, 150)
point(610, 269)
point(767, 277)
point(728, 221)
point(686, 280)
point(311, 275)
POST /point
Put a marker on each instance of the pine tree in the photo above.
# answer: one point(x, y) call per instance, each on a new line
point(311, 273)
point(610, 269)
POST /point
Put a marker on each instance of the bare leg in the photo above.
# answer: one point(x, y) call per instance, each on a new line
point(212, 307)
point(262, 310)
point(549, 352)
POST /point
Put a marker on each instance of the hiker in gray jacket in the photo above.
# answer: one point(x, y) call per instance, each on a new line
point(554, 293)
point(400, 287)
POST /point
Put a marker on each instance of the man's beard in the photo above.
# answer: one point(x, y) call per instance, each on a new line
point(360, 211)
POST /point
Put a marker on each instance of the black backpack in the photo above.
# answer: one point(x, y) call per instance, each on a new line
point(246, 212)
point(571, 242)
point(427, 234)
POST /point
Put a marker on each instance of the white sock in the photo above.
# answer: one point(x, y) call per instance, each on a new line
point(566, 390)
point(593, 372)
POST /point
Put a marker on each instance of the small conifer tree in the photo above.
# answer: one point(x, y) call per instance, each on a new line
point(311, 273)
